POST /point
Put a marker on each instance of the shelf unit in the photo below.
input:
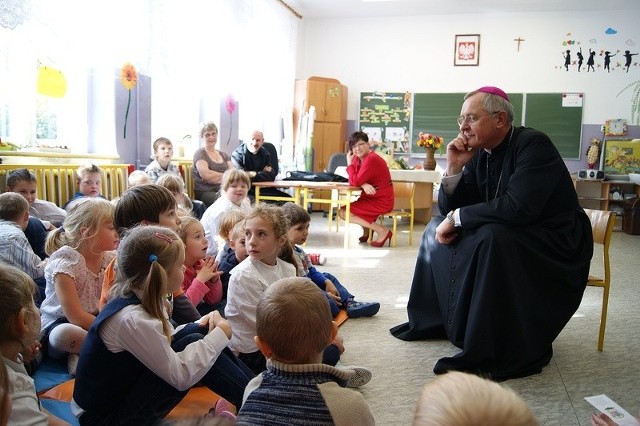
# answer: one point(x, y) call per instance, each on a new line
point(599, 195)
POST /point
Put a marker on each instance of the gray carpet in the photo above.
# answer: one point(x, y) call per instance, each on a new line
point(400, 369)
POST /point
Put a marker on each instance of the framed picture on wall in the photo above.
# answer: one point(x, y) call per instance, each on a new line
point(466, 51)
point(621, 156)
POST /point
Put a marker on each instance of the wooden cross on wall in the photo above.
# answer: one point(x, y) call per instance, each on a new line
point(519, 40)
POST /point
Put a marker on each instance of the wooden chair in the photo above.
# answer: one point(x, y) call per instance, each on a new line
point(602, 223)
point(403, 193)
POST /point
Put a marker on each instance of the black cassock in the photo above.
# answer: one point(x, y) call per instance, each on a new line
point(503, 291)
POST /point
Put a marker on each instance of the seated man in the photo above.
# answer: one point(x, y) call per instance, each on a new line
point(260, 163)
point(502, 274)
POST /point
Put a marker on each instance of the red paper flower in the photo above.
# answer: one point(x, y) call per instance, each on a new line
point(230, 104)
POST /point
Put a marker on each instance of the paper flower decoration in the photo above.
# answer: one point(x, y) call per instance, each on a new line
point(428, 140)
point(230, 104)
point(129, 79)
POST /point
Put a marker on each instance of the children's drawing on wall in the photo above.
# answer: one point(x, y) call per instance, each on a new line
point(580, 58)
point(395, 136)
point(591, 61)
point(567, 60)
point(627, 59)
point(607, 60)
point(606, 45)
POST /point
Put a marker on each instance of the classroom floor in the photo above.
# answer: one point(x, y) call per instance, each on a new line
point(556, 396)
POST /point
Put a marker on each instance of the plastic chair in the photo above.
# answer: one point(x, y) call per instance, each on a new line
point(602, 223)
point(337, 159)
point(403, 193)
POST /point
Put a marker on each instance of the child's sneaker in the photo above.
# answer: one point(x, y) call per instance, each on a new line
point(317, 258)
point(222, 409)
point(362, 309)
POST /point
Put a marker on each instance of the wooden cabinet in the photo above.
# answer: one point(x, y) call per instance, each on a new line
point(329, 97)
point(606, 195)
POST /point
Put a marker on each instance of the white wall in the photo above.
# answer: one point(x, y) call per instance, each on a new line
point(415, 53)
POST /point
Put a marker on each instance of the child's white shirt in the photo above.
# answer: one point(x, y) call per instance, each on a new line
point(247, 283)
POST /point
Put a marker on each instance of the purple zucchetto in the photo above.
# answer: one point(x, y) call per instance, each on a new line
point(494, 91)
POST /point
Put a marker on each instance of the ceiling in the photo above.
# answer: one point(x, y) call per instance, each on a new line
point(312, 9)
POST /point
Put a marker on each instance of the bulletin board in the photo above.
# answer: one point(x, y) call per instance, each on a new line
point(386, 117)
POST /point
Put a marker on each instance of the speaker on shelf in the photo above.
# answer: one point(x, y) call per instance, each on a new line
point(590, 174)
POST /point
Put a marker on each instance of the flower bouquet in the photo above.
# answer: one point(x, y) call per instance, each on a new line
point(430, 143)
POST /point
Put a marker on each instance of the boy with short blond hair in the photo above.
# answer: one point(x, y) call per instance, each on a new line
point(293, 327)
point(163, 153)
point(89, 183)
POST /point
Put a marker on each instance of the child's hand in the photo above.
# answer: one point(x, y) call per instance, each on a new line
point(213, 320)
point(208, 270)
point(332, 291)
point(29, 353)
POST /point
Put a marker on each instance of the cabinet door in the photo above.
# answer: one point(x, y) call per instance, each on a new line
point(333, 102)
point(316, 95)
point(327, 139)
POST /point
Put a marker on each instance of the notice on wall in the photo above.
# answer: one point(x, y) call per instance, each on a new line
point(385, 118)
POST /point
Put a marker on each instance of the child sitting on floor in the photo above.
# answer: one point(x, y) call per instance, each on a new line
point(201, 282)
point(175, 184)
point(163, 152)
point(458, 398)
point(130, 371)
point(24, 183)
point(228, 220)
point(14, 246)
point(138, 177)
point(89, 183)
point(233, 197)
point(293, 327)
point(19, 328)
point(237, 253)
point(79, 254)
point(337, 294)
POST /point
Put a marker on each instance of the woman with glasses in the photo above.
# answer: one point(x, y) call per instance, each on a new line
point(209, 164)
point(369, 171)
point(503, 272)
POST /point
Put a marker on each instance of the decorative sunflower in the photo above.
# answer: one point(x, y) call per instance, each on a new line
point(129, 79)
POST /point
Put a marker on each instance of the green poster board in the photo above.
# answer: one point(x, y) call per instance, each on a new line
point(560, 120)
point(435, 113)
point(385, 117)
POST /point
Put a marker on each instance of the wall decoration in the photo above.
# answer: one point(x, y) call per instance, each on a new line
point(466, 50)
point(621, 156)
point(385, 117)
point(129, 79)
point(615, 127)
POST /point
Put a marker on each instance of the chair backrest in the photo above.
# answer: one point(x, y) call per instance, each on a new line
point(602, 223)
point(403, 192)
point(336, 160)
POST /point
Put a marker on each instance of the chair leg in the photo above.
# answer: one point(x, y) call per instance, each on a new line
point(395, 233)
point(411, 230)
point(603, 317)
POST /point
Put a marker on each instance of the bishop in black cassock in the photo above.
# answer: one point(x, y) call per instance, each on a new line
point(505, 270)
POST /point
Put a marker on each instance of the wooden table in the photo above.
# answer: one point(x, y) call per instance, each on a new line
point(341, 194)
point(423, 198)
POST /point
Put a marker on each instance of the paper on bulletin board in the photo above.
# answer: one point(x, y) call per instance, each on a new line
point(605, 405)
point(572, 99)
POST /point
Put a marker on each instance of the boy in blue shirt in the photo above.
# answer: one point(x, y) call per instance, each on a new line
point(338, 296)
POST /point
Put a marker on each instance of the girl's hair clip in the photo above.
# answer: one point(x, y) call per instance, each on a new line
point(152, 258)
point(164, 237)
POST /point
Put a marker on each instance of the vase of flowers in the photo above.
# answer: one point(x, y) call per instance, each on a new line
point(430, 143)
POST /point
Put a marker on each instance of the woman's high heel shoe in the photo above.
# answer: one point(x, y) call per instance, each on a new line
point(381, 243)
point(364, 238)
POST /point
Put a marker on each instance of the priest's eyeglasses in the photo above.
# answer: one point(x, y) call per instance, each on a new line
point(472, 118)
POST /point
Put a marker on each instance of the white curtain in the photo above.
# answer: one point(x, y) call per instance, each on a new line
point(196, 52)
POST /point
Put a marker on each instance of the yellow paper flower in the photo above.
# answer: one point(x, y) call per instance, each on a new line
point(428, 140)
point(129, 79)
point(128, 76)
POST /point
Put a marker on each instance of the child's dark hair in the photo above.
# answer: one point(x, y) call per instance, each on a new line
point(144, 255)
point(296, 214)
point(139, 203)
point(12, 206)
point(20, 175)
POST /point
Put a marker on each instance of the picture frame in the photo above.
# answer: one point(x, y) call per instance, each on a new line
point(621, 156)
point(466, 50)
